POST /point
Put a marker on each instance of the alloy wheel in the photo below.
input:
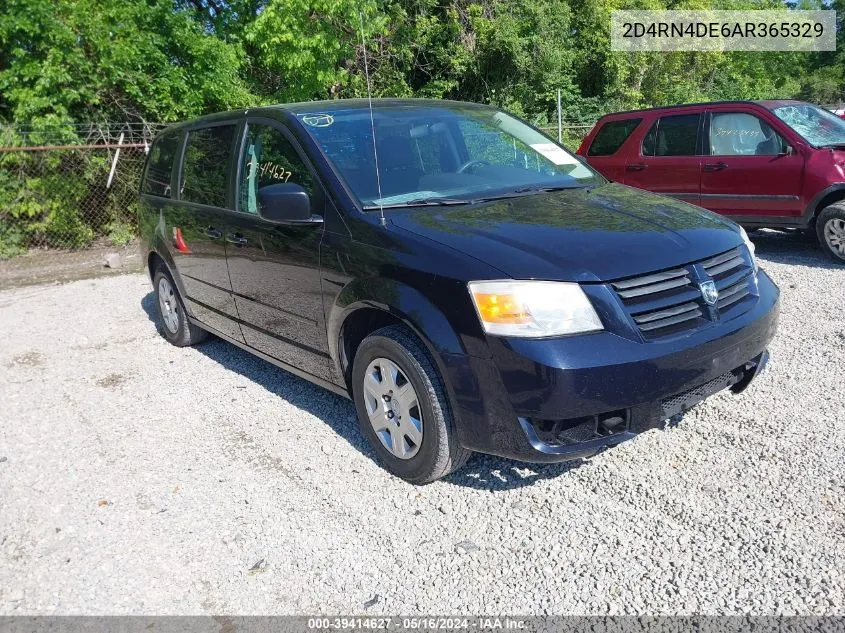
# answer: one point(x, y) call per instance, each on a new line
point(393, 408)
point(168, 305)
point(834, 235)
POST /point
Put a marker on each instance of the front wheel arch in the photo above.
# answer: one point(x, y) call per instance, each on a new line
point(830, 195)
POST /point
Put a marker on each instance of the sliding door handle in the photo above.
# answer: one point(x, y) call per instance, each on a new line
point(636, 167)
point(237, 239)
point(715, 166)
point(213, 233)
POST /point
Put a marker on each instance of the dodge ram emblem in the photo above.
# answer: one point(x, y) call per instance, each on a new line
point(709, 292)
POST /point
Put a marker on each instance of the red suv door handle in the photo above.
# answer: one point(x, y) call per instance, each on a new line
point(636, 167)
point(715, 166)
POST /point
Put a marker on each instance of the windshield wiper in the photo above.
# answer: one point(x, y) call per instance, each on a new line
point(833, 146)
point(528, 191)
point(419, 202)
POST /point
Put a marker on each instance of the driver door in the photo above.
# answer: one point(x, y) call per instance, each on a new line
point(274, 268)
point(749, 172)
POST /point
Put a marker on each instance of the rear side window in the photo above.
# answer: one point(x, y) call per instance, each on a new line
point(160, 165)
point(611, 136)
point(205, 168)
point(672, 136)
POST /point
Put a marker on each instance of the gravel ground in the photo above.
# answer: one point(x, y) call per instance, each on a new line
point(136, 477)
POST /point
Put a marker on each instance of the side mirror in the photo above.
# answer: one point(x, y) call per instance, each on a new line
point(788, 150)
point(285, 203)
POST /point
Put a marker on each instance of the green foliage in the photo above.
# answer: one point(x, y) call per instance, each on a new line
point(113, 59)
point(165, 60)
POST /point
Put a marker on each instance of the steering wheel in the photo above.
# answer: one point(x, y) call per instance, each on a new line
point(470, 163)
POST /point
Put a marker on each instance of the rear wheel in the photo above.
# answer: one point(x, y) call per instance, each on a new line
point(830, 229)
point(402, 407)
point(175, 325)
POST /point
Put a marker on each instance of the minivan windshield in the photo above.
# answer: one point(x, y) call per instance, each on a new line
point(817, 126)
point(435, 154)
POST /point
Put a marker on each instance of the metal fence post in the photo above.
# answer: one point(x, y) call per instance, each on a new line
point(559, 119)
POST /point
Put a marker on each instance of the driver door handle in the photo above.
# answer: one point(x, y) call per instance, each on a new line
point(636, 167)
point(236, 238)
point(715, 166)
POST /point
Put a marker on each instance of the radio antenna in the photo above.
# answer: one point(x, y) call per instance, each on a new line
point(372, 120)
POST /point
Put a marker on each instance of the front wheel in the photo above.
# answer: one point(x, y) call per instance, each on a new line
point(830, 229)
point(402, 407)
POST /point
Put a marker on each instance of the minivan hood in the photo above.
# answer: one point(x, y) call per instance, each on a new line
point(586, 235)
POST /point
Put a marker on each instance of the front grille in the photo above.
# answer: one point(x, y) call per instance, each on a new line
point(661, 303)
point(669, 302)
point(733, 276)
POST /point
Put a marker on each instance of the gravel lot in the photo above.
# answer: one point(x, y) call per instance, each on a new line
point(136, 477)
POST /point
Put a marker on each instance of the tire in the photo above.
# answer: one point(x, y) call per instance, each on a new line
point(830, 229)
point(438, 452)
point(171, 311)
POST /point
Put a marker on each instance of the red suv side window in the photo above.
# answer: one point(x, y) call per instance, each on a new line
point(743, 134)
point(675, 135)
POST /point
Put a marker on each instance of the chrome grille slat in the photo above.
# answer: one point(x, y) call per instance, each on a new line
point(650, 279)
point(734, 294)
point(662, 314)
point(713, 261)
point(726, 282)
point(641, 305)
point(728, 265)
point(686, 316)
point(651, 289)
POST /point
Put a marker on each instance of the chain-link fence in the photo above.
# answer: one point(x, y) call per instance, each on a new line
point(68, 197)
point(570, 135)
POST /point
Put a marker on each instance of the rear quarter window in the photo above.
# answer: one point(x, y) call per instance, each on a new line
point(160, 165)
point(611, 135)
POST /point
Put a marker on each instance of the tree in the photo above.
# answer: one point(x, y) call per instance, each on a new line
point(83, 60)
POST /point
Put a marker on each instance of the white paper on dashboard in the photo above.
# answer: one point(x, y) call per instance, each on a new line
point(554, 153)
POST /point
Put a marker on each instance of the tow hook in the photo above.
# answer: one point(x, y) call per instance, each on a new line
point(752, 369)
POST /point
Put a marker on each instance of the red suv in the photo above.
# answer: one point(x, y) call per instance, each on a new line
point(762, 163)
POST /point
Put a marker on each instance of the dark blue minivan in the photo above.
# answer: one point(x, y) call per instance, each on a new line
point(469, 283)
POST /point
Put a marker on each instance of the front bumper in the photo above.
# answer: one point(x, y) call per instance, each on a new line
point(553, 400)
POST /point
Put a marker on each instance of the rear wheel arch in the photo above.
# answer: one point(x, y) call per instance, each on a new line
point(154, 261)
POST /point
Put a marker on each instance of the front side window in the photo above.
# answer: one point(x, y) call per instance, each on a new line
point(675, 135)
point(817, 126)
point(434, 152)
point(268, 159)
point(611, 136)
point(205, 168)
point(742, 134)
point(160, 165)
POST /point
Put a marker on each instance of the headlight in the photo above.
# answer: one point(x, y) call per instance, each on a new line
point(533, 308)
point(750, 245)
